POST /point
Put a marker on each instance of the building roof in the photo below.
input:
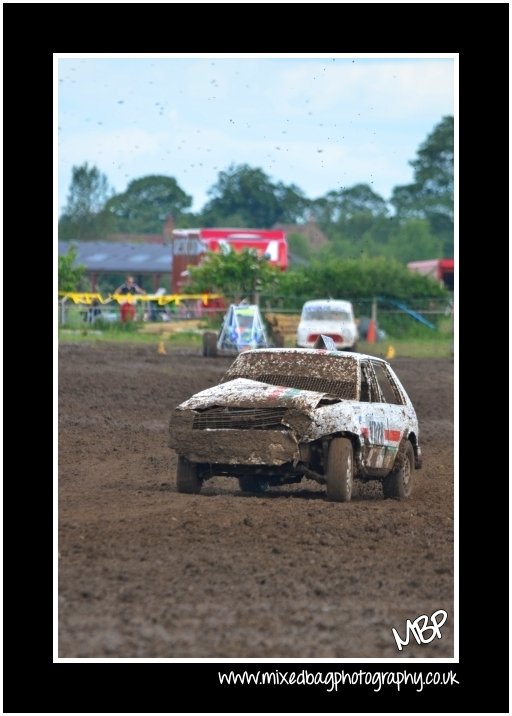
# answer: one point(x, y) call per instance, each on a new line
point(121, 257)
point(132, 256)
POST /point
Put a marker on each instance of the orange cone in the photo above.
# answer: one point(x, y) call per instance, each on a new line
point(371, 334)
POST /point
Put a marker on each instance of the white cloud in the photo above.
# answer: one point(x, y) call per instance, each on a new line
point(117, 153)
point(315, 167)
point(112, 145)
point(389, 89)
point(209, 79)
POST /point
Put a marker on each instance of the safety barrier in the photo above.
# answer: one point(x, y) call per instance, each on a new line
point(88, 299)
point(92, 307)
point(393, 316)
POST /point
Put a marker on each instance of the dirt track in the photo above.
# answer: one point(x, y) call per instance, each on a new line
point(147, 572)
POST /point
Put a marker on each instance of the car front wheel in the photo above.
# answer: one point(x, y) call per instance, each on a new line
point(187, 478)
point(399, 483)
point(340, 470)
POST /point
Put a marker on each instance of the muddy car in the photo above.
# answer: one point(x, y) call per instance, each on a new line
point(283, 414)
point(242, 328)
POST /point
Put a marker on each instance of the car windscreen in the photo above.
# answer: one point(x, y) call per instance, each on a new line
point(325, 314)
point(319, 372)
point(245, 322)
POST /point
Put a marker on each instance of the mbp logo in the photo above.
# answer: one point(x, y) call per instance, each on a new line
point(421, 625)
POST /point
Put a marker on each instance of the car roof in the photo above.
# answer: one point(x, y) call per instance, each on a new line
point(341, 355)
point(328, 302)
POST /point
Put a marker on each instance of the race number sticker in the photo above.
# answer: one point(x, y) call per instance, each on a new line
point(376, 432)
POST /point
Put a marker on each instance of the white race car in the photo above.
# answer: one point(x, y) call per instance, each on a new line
point(281, 414)
point(328, 317)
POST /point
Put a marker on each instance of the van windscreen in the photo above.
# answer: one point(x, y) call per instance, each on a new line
point(324, 314)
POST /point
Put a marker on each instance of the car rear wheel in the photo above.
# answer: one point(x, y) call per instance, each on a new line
point(249, 483)
point(340, 470)
point(209, 344)
point(278, 339)
point(399, 483)
point(187, 478)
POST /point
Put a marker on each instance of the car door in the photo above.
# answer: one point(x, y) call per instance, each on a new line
point(382, 417)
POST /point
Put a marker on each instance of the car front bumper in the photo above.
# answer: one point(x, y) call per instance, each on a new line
point(234, 447)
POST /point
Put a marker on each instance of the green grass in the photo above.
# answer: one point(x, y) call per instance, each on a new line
point(125, 335)
point(409, 348)
point(439, 346)
point(406, 338)
point(86, 335)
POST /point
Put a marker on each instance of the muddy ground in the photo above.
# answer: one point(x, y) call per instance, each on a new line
point(147, 572)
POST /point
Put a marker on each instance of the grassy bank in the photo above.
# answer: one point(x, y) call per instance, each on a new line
point(184, 339)
point(440, 346)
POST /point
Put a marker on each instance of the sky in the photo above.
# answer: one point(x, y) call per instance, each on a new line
point(318, 122)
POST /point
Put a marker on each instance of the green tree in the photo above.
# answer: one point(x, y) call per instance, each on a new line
point(293, 204)
point(414, 241)
point(245, 196)
point(361, 278)
point(236, 275)
point(341, 248)
point(430, 196)
point(356, 220)
point(298, 245)
point(70, 274)
point(84, 217)
point(342, 206)
point(146, 204)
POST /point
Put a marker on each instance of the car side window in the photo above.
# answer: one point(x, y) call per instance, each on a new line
point(370, 392)
point(388, 388)
point(365, 391)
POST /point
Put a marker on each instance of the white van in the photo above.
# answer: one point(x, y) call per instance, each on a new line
point(331, 318)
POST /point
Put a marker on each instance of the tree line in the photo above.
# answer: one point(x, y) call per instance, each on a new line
point(246, 275)
point(416, 222)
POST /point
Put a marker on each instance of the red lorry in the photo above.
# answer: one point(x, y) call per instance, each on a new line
point(440, 269)
point(190, 245)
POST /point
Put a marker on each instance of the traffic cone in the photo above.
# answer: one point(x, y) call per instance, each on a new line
point(371, 334)
point(390, 353)
point(161, 347)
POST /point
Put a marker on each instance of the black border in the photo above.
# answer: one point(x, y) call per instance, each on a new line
point(479, 32)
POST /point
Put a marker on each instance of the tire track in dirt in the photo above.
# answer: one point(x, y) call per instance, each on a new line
point(147, 572)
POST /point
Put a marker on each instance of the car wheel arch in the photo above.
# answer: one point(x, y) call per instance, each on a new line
point(402, 447)
point(413, 439)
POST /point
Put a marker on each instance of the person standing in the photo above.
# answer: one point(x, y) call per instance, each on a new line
point(129, 287)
